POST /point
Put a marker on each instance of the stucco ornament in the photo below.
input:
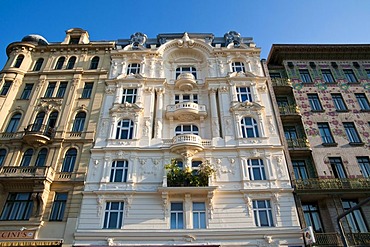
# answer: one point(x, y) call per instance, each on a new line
point(233, 37)
point(185, 42)
point(138, 39)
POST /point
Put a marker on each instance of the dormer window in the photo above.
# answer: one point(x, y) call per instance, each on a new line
point(237, 67)
point(18, 61)
point(74, 40)
point(60, 62)
point(183, 69)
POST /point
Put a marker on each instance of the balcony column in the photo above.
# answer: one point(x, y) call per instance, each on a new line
point(139, 95)
point(158, 122)
point(254, 92)
point(214, 113)
point(118, 96)
point(188, 211)
point(234, 98)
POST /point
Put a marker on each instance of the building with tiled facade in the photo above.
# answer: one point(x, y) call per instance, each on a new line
point(50, 99)
point(204, 102)
point(322, 93)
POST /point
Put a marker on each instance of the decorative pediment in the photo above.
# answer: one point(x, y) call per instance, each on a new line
point(247, 106)
point(50, 104)
point(125, 107)
point(129, 76)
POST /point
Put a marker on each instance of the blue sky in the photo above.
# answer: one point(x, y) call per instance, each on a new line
point(268, 22)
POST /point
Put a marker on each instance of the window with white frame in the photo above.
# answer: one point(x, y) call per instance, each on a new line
point(363, 101)
point(133, 68)
point(249, 127)
point(364, 163)
point(125, 129)
point(186, 129)
point(177, 215)
point(129, 95)
point(244, 94)
point(186, 69)
point(338, 101)
point(237, 67)
point(352, 133)
point(186, 98)
point(354, 219)
point(199, 215)
point(262, 213)
point(256, 169)
point(118, 172)
point(312, 216)
point(113, 215)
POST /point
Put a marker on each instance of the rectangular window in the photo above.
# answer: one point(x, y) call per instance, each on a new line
point(314, 101)
point(50, 90)
point(113, 215)
point(133, 68)
point(129, 95)
point(62, 89)
point(244, 94)
point(364, 163)
point(338, 102)
point(305, 76)
point(6, 87)
point(190, 70)
point(337, 167)
point(262, 213)
point(18, 206)
point(27, 91)
point(186, 98)
point(355, 219)
point(351, 132)
point(237, 67)
point(86, 92)
point(119, 171)
point(256, 169)
point(327, 76)
point(59, 206)
point(177, 215)
point(312, 216)
point(275, 75)
point(350, 76)
point(325, 133)
point(300, 169)
point(362, 101)
point(368, 73)
point(199, 215)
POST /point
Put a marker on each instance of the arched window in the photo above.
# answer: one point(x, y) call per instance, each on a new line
point(69, 160)
point(18, 61)
point(186, 129)
point(60, 62)
point(2, 156)
point(125, 129)
point(41, 157)
point(38, 121)
point(94, 63)
point(237, 67)
point(249, 127)
point(38, 64)
point(71, 62)
point(133, 68)
point(79, 123)
point(27, 156)
point(52, 119)
point(13, 123)
point(256, 169)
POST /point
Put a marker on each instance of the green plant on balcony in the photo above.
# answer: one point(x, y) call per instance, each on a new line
point(179, 177)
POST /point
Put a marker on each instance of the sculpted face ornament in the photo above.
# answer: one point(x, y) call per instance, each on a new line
point(138, 39)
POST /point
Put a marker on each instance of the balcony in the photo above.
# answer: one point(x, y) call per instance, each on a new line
point(70, 176)
point(186, 143)
point(289, 110)
point(299, 143)
point(325, 184)
point(186, 111)
point(38, 134)
point(185, 82)
point(25, 172)
point(333, 239)
point(281, 82)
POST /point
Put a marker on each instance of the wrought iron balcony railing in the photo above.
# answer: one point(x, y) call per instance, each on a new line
point(332, 183)
point(289, 110)
point(298, 143)
point(39, 129)
point(333, 239)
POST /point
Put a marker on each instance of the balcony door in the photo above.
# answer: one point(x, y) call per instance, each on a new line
point(337, 167)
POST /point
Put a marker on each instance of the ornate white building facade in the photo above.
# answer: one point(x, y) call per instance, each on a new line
point(198, 99)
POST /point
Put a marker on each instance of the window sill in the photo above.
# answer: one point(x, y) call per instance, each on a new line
point(355, 82)
point(365, 110)
point(332, 144)
point(346, 110)
point(356, 143)
point(317, 110)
